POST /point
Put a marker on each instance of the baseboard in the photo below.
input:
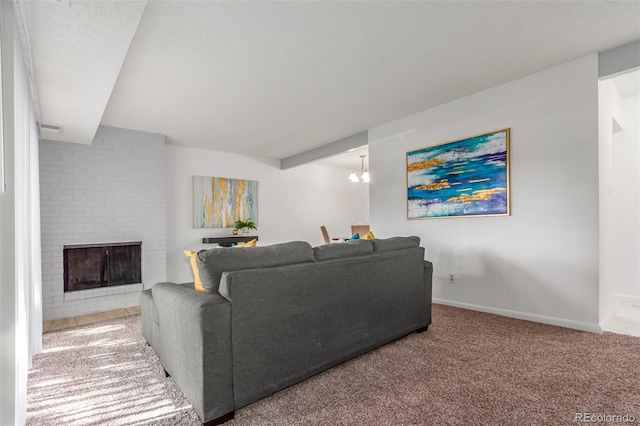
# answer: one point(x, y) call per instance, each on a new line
point(618, 299)
point(627, 298)
point(561, 322)
point(607, 319)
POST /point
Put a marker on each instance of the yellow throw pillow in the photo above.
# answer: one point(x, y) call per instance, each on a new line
point(252, 243)
point(369, 236)
point(196, 275)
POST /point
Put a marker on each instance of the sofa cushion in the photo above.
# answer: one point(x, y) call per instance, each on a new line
point(394, 243)
point(368, 236)
point(252, 243)
point(194, 268)
point(351, 249)
point(213, 262)
point(354, 237)
point(149, 307)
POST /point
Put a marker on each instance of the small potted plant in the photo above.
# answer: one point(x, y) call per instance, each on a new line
point(245, 226)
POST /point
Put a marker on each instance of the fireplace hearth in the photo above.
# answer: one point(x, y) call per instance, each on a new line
point(91, 266)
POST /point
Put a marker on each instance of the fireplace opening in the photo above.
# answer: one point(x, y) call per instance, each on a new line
point(92, 266)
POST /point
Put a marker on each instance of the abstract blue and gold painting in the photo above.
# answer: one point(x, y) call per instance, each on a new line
point(469, 177)
point(220, 202)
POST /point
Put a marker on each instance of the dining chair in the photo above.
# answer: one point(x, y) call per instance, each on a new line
point(325, 234)
point(359, 229)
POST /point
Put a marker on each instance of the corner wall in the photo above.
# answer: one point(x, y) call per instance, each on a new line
point(540, 263)
point(13, 362)
point(626, 203)
point(608, 123)
point(110, 191)
point(292, 203)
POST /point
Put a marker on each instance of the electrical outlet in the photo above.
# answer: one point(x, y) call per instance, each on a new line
point(452, 277)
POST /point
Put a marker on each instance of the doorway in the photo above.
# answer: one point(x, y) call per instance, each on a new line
point(620, 224)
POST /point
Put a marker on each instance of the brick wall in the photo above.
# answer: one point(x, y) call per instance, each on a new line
point(110, 191)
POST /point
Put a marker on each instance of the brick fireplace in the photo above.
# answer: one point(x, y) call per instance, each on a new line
point(100, 202)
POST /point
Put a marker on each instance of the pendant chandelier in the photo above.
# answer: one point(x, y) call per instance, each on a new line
point(361, 175)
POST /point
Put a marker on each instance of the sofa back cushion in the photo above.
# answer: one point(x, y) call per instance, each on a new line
point(293, 321)
point(213, 262)
point(341, 250)
point(395, 243)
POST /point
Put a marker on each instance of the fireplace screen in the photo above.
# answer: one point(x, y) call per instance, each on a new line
point(102, 265)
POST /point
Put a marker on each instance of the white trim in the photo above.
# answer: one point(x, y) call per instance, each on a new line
point(560, 322)
point(103, 291)
point(627, 298)
point(3, 180)
point(607, 319)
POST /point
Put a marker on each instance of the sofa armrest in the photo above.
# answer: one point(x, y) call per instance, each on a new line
point(195, 330)
point(428, 285)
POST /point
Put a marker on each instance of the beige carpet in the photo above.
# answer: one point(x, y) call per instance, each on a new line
point(469, 368)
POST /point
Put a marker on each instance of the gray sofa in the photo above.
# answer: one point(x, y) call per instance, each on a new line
point(282, 313)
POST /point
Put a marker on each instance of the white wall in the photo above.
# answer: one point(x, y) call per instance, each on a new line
point(13, 396)
point(107, 192)
point(20, 311)
point(540, 263)
point(626, 202)
point(292, 204)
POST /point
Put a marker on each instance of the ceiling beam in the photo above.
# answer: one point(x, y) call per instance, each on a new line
point(338, 147)
point(620, 59)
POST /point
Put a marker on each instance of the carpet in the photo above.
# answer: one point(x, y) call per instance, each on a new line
point(468, 368)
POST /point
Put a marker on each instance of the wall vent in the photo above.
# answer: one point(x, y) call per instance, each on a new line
point(51, 128)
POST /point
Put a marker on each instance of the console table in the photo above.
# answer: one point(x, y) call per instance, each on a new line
point(228, 241)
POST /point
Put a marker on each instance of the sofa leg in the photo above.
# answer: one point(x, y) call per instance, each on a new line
point(423, 329)
point(166, 374)
point(220, 420)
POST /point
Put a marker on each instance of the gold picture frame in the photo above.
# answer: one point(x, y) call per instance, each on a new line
point(463, 178)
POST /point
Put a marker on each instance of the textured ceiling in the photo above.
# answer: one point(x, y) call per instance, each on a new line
point(77, 53)
point(276, 79)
